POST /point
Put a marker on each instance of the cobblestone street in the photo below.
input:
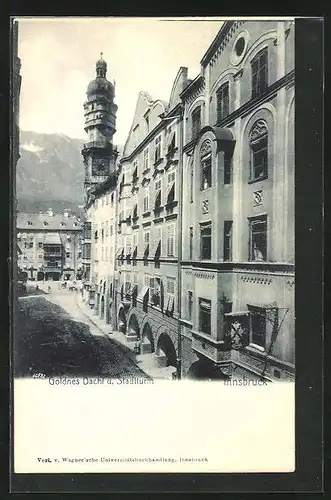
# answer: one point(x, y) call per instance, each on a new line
point(55, 338)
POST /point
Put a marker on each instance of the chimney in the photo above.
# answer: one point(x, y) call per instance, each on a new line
point(66, 212)
point(50, 212)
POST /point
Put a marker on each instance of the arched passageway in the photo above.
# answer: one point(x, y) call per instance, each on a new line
point(133, 329)
point(109, 312)
point(40, 276)
point(204, 369)
point(102, 308)
point(147, 342)
point(121, 320)
point(166, 352)
point(97, 302)
point(53, 276)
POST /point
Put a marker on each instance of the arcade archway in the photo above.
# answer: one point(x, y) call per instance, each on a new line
point(204, 369)
point(102, 307)
point(147, 343)
point(166, 349)
point(134, 326)
point(121, 320)
point(109, 312)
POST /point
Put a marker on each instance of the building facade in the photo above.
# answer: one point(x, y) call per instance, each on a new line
point(50, 246)
point(148, 201)
point(238, 241)
point(201, 272)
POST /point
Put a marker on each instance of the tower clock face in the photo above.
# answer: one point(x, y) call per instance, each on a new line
point(100, 166)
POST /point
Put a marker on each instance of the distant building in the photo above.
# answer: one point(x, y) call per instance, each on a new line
point(50, 246)
point(192, 232)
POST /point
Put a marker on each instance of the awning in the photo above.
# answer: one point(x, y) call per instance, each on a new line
point(171, 143)
point(144, 292)
point(120, 253)
point(170, 304)
point(171, 193)
point(237, 313)
point(158, 200)
point(157, 250)
point(146, 252)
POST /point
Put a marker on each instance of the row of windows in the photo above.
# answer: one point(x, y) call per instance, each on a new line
point(156, 286)
point(258, 163)
point(45, 224)
point(107, 229)
point(129, 243)
point(158, 151)
point(130, 207)
point(257, 240)
point(158, 199)
point(257, 319)
point(105, 200)
point(259, 79)
point(68, 255)
point(32, 236)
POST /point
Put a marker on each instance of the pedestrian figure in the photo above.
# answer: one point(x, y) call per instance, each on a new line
point(37, 288)
point(49, 289)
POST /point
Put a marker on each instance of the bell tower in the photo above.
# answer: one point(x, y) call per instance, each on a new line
point(100, 125)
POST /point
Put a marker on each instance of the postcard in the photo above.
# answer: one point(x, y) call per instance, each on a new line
point(153, 289)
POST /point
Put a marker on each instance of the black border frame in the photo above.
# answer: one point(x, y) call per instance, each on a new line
point(309, 324)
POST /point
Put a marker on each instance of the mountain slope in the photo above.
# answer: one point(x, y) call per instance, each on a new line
point(50, 172)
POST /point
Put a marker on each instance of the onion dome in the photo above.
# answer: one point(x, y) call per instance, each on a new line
point(101, 86)
point(101, 67)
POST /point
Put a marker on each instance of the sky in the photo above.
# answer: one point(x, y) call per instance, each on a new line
point(58, 57)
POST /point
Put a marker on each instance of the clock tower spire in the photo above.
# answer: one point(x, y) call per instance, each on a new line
point(100, 110)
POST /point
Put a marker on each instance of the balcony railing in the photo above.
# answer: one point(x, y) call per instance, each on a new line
point(99, 144)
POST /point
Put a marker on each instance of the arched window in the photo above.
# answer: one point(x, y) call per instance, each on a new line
point(206, 165)
point(196, 122)
point(258, 142)
point(260, 73)
point(222, 97)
